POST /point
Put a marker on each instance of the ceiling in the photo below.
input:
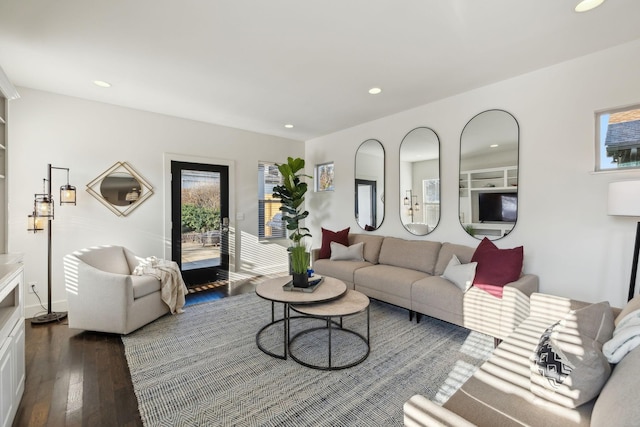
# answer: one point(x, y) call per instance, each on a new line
point(258, 65)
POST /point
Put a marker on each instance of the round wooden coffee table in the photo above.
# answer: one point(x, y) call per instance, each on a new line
point(353, 302)
point(272, 290)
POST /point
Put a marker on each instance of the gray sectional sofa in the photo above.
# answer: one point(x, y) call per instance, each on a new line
point(505, 390)
point(407, 273)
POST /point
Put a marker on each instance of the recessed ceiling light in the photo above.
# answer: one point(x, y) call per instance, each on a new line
point(586, 5)
point(375, 90)
point(101, 83)
point(288, 126)
point(494, 146)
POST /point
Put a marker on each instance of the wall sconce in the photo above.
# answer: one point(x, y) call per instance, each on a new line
point(42, 214)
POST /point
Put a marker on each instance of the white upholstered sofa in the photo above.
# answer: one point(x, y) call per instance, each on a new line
point(103, 294)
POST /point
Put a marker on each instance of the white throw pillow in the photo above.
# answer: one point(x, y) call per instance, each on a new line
point(346, 253)
point(460, 274)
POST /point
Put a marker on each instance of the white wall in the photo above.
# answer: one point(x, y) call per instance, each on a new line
point(89, 137)
point(569, 240)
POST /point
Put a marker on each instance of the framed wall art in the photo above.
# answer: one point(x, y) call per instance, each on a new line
point(324, 177)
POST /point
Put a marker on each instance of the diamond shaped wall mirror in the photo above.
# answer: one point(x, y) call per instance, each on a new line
point(120, 188)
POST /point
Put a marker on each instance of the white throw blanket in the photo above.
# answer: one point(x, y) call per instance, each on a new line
point(168, 272)
point(626, 337)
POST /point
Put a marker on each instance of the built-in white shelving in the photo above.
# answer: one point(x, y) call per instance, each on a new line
point(503, 179)
point(4, 106)
point(491, 180)
point(12, 349)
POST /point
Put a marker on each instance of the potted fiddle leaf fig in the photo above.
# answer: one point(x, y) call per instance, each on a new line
point(291, 194)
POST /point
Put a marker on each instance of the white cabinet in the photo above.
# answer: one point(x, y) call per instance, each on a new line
point(7, 401)
point(12, 356)
point(19, 372)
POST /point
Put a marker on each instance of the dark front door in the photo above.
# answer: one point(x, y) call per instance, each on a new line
point(200, 220)
point(366, 203)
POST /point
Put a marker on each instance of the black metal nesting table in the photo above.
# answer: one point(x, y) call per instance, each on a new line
point(329, 301)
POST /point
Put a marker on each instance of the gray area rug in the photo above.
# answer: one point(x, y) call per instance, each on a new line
point(203, 368)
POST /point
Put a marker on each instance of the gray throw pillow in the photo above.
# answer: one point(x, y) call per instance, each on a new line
point(595, 321)
point(346, 253)
point(566, 368)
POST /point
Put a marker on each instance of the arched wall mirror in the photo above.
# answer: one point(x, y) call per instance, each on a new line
point(120, 189)
point(369, 185)
point(420, 181)
point(489, 174)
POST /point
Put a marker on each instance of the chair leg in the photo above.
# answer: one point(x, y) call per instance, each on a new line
point(410, 315)
point(418, 317)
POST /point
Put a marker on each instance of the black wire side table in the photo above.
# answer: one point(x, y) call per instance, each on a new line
point(352, 303)
point(272, 290)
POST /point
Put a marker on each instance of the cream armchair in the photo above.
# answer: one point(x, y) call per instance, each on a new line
point(104, 296)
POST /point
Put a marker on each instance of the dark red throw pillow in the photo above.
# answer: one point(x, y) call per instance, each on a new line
point(496, 267)
point(329, 236)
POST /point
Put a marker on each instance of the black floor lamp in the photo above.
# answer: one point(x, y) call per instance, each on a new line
point(40, 218)
point(624, 200)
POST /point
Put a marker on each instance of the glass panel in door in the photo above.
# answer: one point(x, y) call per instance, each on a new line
point(200, 221)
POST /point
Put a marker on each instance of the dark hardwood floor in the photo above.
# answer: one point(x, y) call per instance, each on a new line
point(81, 378)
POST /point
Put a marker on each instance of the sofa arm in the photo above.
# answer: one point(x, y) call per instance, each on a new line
point(499, 317)
point(95, 296)
point(516, 303)
point(420, 411)
point(315, 253)
point(527, 284)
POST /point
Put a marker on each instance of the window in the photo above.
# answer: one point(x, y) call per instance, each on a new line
point(270, 224)
point(431, 197)
point(618, 139)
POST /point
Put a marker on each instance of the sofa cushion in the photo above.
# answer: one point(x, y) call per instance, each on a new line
point(418, 255)
point(566, 368)
point(496, 267)
point(329, 236)
point(617, 404)
point(388, 279)
point(372, 245)
point(106, 258)
point(346, 253)
point(438, 297)
point(342, 270)
point(460, 274)
point(464, 254)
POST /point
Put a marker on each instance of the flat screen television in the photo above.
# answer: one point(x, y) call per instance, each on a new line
point(497, 207)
